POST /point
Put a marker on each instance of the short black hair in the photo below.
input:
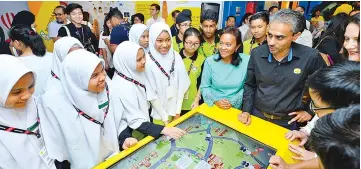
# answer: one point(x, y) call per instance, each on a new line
point(272, 7)
point(71, 7)
point(175, 12)
point(303, 8)
point(232, 17)
point(192, 32)
point(29, 37)
point(260, 15)
point(157, 7)
point(337, 85)
point(245, 16)
point(139, 16)
point(62, 8)
point(23, 17)
point(336, 138)
point(235, 57)
point(209, 14)
point(114, 12)
point(314, 12)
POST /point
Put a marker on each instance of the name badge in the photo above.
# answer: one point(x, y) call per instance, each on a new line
point(171, 92)
point(297, 71)
point(45, 157)
point(186, 95)
point(194, 68)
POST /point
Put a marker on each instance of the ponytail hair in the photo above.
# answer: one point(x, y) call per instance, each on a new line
point(29, 38)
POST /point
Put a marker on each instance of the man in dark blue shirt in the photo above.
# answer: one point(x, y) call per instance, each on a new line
point(277, 72)
point(120, 31)
point(173, 28)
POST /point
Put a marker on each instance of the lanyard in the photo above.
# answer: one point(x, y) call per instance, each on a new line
point(22, 131)
point(54, 75)
point(161, 68)
point(77, 33)
point(92, 119)
point(179, 48)
point(190, 67)
point(130, 79)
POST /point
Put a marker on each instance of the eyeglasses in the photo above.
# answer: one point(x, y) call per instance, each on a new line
point(57, 14)
point(186, 25)
point(313, 107)
point(228, 45)
point(193, 45)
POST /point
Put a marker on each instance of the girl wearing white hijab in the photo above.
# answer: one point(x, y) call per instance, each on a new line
point(33, 54)
point(167, 76)
point(21, 139)
point(130, 82)
point(81, 114)
point(139, 34)
point(62, 47)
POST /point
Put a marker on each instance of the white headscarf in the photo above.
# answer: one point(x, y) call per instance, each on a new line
point(84, 138)
point(136, 32)
point(132, 96)
point(17, 150)
point(165, 60)
point(61, 49)
point(42, 66)
point(158, 82)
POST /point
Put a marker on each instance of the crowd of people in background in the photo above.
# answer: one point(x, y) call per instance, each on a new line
point(97, 95)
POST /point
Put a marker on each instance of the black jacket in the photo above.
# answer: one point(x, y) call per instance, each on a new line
point(74, 33)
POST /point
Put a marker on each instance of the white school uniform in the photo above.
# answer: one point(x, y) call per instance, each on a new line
point(84, 143)
point(18, 151)
point(61, 49)
point(170, 92)
point(132, 96)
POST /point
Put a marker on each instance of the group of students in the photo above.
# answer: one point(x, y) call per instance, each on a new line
point(79, 112)
point(82, 114)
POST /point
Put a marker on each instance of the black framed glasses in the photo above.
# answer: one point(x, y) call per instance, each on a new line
point(313, 107)
point(193, 45)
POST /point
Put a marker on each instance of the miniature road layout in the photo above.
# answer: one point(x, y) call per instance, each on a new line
point(207, 145)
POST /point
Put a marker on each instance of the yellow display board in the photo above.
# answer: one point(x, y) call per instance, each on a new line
point(143, 7)
point(196, 17)
point(260, 130)
point(43, 11)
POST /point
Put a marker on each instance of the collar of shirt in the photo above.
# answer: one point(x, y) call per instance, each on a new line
point(253, 41)
point(158, 18)
point(194, 57)
point(289, 57)
point(177, 39)
point(216, 39)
